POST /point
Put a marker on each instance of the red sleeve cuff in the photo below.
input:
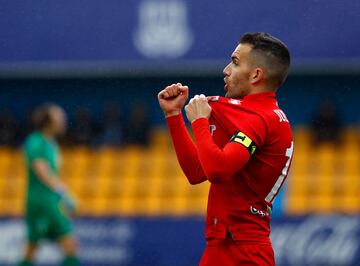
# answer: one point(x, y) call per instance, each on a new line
point(200, 123)
point(175, 120)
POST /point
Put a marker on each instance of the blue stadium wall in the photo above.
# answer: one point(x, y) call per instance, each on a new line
point(112, 31)
point(330, 240)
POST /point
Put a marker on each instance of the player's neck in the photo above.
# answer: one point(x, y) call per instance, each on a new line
point(257, 90)
point(47, 133)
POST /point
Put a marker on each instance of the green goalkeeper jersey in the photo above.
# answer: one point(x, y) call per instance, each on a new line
point(45, 216)
point(37, 146)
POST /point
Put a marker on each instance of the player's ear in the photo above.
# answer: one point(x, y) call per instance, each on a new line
point(257, 75)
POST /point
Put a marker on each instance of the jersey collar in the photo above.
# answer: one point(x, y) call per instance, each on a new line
point(261, 95)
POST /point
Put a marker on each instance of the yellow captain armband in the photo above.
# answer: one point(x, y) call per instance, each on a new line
point(243, 139)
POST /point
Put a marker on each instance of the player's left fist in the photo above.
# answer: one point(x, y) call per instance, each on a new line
point(198, 107)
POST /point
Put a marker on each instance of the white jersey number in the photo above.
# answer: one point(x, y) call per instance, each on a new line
point(289, 153)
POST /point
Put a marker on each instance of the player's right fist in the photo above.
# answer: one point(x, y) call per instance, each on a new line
point(172, 99)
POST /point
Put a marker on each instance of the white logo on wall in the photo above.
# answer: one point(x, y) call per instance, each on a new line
point(163, 30)
point(318, 240)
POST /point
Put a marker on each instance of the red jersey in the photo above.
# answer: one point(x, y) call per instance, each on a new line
point(245, 155)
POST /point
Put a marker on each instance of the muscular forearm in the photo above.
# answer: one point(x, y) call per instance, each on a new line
point(186, 151)
point(218, 164)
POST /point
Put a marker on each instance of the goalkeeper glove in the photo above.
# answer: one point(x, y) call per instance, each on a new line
point(67, 201)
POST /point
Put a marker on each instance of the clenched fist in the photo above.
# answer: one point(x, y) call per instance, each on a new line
point(198, 107)
point(172, 99)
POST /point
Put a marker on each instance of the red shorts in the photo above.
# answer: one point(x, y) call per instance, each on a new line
point(236, 254)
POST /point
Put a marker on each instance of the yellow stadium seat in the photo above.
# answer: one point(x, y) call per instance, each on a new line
point(5, 162)
point(160, 139)
point(139, 181)
point(349, 204)
point(322, 204)
point(297, 185)
point(302, 139)
point(296, 205)
point(16, 187)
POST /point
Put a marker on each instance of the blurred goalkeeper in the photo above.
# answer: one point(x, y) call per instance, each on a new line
point(48, 204)
point(243, 148)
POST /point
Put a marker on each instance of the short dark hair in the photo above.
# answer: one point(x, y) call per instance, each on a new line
point(41, 117)
point(275, 53)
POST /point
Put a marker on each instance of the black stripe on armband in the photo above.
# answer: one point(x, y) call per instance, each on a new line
point(242, 138)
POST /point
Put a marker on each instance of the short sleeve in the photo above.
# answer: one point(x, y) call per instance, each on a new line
point(34, 149)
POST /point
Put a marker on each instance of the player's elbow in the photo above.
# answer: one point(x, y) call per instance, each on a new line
point(194, 177)
point(215, 176)
point(195, 180)
point(214, 180)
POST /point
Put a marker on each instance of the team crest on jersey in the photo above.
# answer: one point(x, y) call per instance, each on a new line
point(234, 101)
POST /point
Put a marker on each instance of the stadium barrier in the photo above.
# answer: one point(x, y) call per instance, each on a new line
point(313, 240)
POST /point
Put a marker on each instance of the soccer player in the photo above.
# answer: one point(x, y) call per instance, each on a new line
point(243, 147)
point(48, 204)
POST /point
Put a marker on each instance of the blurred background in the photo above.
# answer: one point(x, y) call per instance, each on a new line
point(105, 61)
